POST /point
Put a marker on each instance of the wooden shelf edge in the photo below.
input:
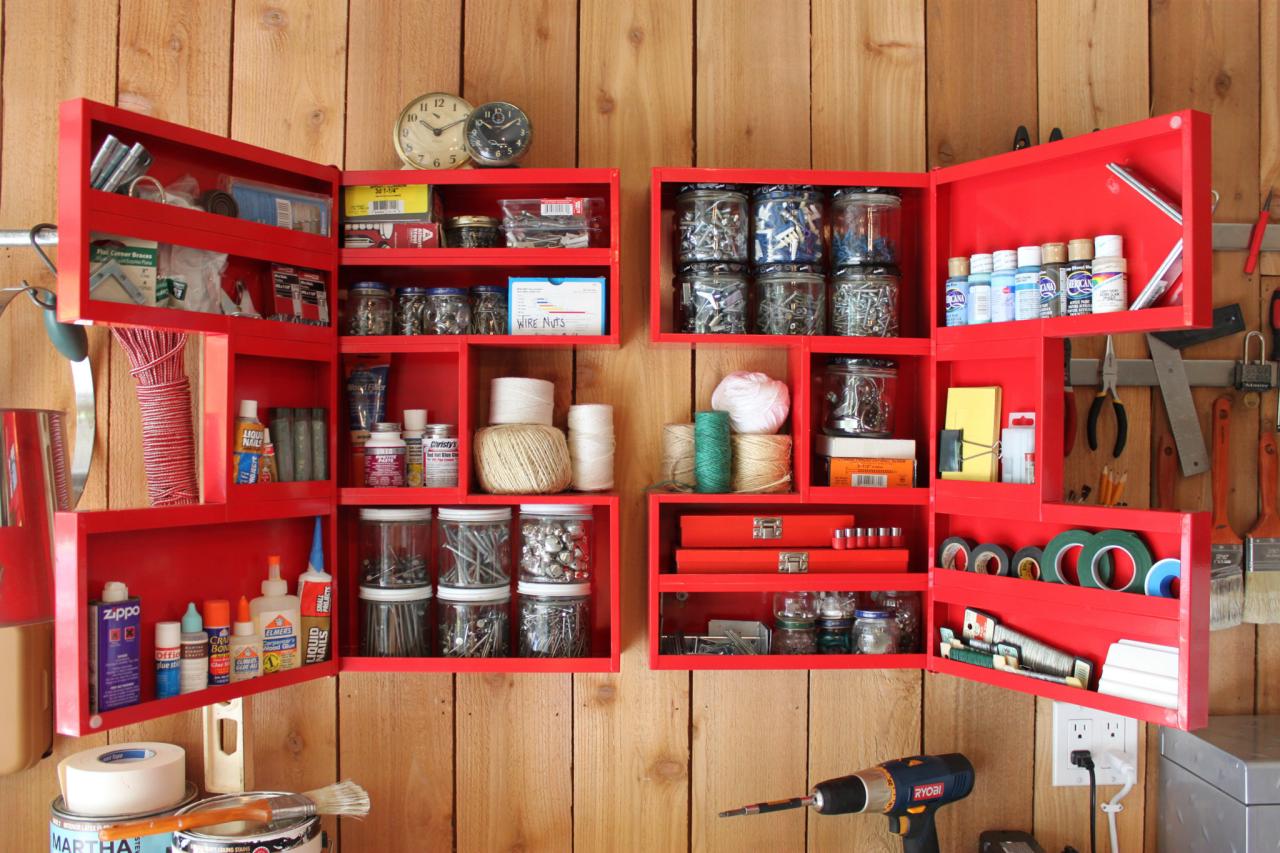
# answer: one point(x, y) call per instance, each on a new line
point(787, 662)
point(506, 665)
point(780, 582)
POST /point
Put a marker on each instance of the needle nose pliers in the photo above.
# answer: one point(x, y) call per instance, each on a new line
point(1110, 372)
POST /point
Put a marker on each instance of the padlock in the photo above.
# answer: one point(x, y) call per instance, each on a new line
point(1258, 375)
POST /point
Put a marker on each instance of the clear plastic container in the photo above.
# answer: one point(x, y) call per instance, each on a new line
point(835, 605)
point(556, 543)
point(395, 623)
point(712, 223)
point(411, 311)
point(474, 547)
point(369, 309)
point(555, 620)
point(791, 299)
point(858, 396)
point(906, 610)
point(551, 223)
point(794, 637)
point(713, 299)
point(867, 226)
point(489, 309)
point(448, 311)
point(794, 605)
point(473, 623)
point(875, 633)
point(787, 221)
point(471, 232)
point(864, 301)
point(395, 547)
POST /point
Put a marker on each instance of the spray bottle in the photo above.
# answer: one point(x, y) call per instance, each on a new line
point(195, 652)
point(246, 645)
point(315, 590)
point(249, 438)
point(276, 615)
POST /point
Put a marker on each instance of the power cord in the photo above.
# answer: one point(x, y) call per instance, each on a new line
point(1084, 758)
point(1114, 807)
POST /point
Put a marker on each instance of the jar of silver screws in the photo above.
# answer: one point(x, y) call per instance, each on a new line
point(369, 309)
point(864, 301)
point(555, 620)
point(791, 299)
point(712, 223)
point(858, 396)
point(555, 543)
point(712, 299)
point(395, 623)
point(474, 547)
point(474, 623)
point(448, 311)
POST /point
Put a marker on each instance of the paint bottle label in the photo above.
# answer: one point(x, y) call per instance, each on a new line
point(1049, 301)
point(246, 663)
point(441, 462)
point(168, 664)
point(279, 643)
point(957, 297)
point(115, 666)
point(979, 303)
point(1079, 291)
point(383, 466)
point(413, 462)
point(194, 674)
point(1110, 286)
point(317, 604)
point(219, 655)
point(1026, 295)
point(1002, 297)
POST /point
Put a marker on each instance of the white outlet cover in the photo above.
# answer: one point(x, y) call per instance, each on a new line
point(1076, 727)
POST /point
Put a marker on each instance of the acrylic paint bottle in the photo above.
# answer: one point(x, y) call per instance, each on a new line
point(168, 659)
point(276, 615)
point(195, 652)
point(115, 644)
point(315, 593)
point(415, 425)
point(1026, 284)
point(978, 307)
point(1053, 271)
point(957, 291)
point(246, 645)
point(1004, 265)
point(1110, 281)
point(1078, 293)
point(249, 437)
point(217, 624)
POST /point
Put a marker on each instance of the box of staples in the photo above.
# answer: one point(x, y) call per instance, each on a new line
point(556, 306)
point(381, 201)
point(122, 269)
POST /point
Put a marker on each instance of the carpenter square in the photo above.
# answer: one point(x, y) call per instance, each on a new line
point(1184, 423)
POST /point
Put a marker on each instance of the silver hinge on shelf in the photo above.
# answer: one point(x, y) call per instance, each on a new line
point(793, 562)
point(766, 527)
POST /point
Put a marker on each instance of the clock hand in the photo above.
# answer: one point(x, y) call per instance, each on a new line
point(449, 125)
point(508, 124)
point(429, 127)
point(480, 121)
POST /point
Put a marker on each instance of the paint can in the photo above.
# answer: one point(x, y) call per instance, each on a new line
point(299, 836)
point(73, 833)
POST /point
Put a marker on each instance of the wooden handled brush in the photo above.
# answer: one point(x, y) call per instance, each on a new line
point(1226, 598)
point(1262, 543)
point(345, 799)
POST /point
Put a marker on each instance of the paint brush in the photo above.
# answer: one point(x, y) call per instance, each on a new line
point(1226, 593)
point(1262, 543)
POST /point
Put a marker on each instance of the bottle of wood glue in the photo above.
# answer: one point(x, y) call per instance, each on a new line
point(277, 616)
point(315, 591)
point(249, 438)
point(194, 673)
point(246, 645)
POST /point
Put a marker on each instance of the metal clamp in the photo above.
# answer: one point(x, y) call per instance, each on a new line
point(766, 527)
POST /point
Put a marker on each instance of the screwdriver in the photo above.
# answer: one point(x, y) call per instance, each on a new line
point(1259, 231)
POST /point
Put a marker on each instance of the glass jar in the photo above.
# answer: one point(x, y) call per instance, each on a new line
point(555, 620)
point(794, 605)
point(474, 623)
point(787, 221)
point(864, 301)
point(794, 637)
point(835, 605)
point(867, 227)
point(791, 299)
point(905, 607)
point(556, 543)
point(474, 547)
point(711, 223)
point(395, 623)
point(448, 311)
point(471, 232)
point(875, 633)
point(394, 547)
point(835, 636)
point(858, 395)
point(440, 456)
point(488, 309)
point(713, 299)
point(369, 309)
point(411, 311)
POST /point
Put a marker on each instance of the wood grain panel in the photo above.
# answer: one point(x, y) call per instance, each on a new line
point(185, 729)
point(294, 738)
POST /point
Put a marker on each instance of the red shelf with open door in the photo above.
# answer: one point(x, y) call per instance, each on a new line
point(1047, 193)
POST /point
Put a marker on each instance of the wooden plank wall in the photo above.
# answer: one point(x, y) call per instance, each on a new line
point(642, 760)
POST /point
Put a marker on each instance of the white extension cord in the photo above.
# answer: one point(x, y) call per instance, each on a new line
point(1113, 807)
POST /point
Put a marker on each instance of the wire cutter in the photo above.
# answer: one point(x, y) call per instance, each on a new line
point(1110, 372)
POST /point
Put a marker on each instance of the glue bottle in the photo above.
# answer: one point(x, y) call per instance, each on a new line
point(957, 291)
point(978, 307)
point(168, 659)
point(315, 591)
point(276, 615)
point(195, 652)
point(217, 624)
point(246, 645)
point(249, 438)
point(1004, 264)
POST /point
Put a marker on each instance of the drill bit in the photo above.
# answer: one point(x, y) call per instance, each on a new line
point(771, 806)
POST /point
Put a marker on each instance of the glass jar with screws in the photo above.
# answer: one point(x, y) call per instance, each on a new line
point(394, 546)
point(411, 311)
point(448, 311)
point(867, 227)
point(473, 623)
point(471, 232)
point(556, 543)
point(711, 223)
point(875, 633)
point(794, 637)
point(395, 623)
point(791, 299)
point(864, 301)
point(555, 620)
point(474, 547)
point(905, 607)
point(858, 395)
point(489, 309)
point(369, 309)
point(713, 299)
point(787, 221)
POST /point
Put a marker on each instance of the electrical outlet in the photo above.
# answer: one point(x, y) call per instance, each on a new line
point(1075, 727)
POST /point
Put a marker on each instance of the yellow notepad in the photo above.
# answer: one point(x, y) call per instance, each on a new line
point(976, 413)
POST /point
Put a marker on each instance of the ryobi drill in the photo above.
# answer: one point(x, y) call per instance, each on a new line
point(908, 790)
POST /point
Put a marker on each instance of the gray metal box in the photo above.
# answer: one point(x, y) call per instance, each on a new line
point(1220, 787)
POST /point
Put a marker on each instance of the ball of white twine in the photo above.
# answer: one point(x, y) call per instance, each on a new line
point(761, 463)
point(591, 446)
point(757, 405)
point(519, 400)
point(677, 456)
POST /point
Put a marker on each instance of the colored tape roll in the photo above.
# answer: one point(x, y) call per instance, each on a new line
point(989, 559)
point(1160, 580)
point(1096, 550)
point(1026, 563)
point(219, 202)
point(1051, 564)
point(953, 548)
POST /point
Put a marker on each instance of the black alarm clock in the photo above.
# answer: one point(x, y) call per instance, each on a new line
point(498, 134)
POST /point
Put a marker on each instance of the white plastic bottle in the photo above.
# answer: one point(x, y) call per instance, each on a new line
point(246, 645)
point(193, 672)
point(415, 424)
point(1110, 280)
point(277, 616)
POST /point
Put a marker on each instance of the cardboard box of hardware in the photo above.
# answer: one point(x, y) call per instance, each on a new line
point(122, 269)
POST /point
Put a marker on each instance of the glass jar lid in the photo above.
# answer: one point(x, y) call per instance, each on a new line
point(859, 361)
point(771, 190)
point(387, 426)
point(790, 275)
point(370, 287)
point(402, 593)
point(413, 291)
point(855, 271)
point(446, 291)
point(556, 510)
point(885, 193)
point(554, 590)
point(489, 288)
point(693, 188)
point(497, 513)
point(873, 614)
point(791, 623)
point(471, 222)
point(694, 269)
point(779, 268)
point(396, 514)
point(476, 595)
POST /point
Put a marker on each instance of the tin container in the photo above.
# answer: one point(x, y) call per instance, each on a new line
point(70, 832)
point(302, 835)
point(471, 232)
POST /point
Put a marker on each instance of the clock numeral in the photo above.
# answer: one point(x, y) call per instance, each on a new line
point(436, 163)
point(440, 102)
point(453, 158)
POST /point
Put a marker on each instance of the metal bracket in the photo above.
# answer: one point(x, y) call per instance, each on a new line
point(766, 527)
point(1141, 372)
point(225, 740)
point(1234, 237)
point(793, 562)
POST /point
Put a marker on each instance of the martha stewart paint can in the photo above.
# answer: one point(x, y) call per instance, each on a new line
point(73, 833)
point(300, 836)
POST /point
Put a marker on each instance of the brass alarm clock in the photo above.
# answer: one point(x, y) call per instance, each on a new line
point(431, 132)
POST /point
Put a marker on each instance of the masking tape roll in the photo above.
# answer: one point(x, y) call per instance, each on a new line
point(1160, 580)
point(123, 778)
point(1097, 549)
point(1051, 565)
point(989, 559)
point(1026, 563)
point(952, 548)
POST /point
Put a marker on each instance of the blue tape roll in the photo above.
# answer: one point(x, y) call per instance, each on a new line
point(1163, 574)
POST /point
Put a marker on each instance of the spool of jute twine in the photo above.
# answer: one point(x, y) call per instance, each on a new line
point(522, 459)
point(677, 456)
point(761, 463)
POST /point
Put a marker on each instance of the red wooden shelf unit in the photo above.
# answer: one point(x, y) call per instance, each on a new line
point(1046, 193)
point(219, 548)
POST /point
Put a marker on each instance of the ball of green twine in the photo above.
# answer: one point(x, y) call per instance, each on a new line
point(712, 452)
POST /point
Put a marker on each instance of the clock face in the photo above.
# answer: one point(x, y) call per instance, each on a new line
point(498, 133)
point(431, 131)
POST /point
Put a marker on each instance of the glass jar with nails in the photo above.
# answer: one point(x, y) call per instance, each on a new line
point(711, 223)
point(473, 623)
point(369, 309)
point(905, 607)
point(489, 309)
point(556, 543)
point(867, 226)
point(448, 311)
point(713, 299)
point(864, 301)
point(787, 221)
point(395, 544)
point(858, 396)
point(555, 620)
point(474, 547)
point(794, 637)
point(791, 299)
point(395, 623)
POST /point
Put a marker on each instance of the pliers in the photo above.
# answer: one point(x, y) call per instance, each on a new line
point(1110, 372)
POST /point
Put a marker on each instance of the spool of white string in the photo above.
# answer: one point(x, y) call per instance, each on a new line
point(591, 446)
point(518, 400)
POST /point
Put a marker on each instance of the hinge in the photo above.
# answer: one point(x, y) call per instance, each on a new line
point(793, 562)
point(766, 527)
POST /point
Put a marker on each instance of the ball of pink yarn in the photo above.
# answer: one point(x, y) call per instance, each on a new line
point(757, 405)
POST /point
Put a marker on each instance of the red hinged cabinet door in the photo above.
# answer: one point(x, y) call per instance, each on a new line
point(761, 530)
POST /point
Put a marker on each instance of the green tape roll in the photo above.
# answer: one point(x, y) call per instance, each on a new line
point(1096, 551)
point(1051, 565)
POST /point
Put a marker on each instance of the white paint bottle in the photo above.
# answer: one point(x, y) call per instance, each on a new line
point(1110, 279)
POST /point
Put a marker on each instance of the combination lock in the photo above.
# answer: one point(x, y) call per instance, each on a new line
point(1254, 377)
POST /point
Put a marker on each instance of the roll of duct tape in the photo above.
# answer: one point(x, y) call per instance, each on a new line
point(1097, 549)
point(123, 778)
point(954, 553)
point(1160, 580)
point(1026, 563)
point(989, 559)
point(1051, 564)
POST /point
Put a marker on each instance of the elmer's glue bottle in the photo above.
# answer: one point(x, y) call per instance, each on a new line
point(315, 591)
point(277, 616)
point(246, 645)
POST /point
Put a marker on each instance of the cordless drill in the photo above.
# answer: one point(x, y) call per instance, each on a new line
point(908, 790)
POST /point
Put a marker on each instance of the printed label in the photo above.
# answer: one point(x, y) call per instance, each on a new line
point(440, 462)
point(413, 470)
point(386, 206)
point(1048, 283)
point(383, 466)
point(979, 307)
point(219, 656)
point(115, 666)
point(317, 599)
point(279, 644)
point(1026, 296)
point(957, 298)
point(167, 677)
point(930, 791)
point(246, 664)
point(561, 207)
point(878, 481)
point(1108, 292)
point(317, 645)
point(1079, 292)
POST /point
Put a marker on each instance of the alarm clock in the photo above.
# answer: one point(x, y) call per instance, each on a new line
point(498, 134)
point(430, 132)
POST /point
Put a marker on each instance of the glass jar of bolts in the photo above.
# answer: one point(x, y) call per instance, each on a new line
point(556, 543)
point(867, 226)
point(394, 547)
point(448, 311)
point(787, 223)
point(474, 547)
point(791, 299)
point(875, 632)
point(835, 621)
point(473, 623)
point(905, 607)
point(411, 309)
point(711, 223)
point(395, 623)
point(471, 232)
point(794, 624)
point(713, 299)
point(369, 309)
point(555, 620)
point(864, 301)
point(858, 396)
point(489, 309)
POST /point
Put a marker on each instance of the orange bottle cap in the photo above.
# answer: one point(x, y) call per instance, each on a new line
point(217, 612)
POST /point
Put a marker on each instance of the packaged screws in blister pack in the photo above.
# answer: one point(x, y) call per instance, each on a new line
point(713, 298)
point(474, 623)
point(550, 223)
point(555, 620)
point(787, 221)
point(712, 224)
